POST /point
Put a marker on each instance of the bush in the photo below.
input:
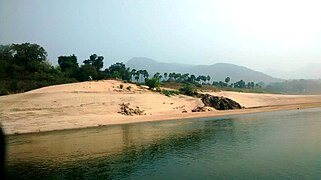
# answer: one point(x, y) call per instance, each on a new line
point(152, 83)
point(198, 85)
point(188, 90)
point(129, 88)
point(169, 92)
point(121, 86)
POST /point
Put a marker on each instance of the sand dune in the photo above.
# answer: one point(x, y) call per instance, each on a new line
point(89, 104)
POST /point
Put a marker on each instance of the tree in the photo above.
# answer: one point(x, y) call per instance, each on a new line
point(184, 77)
point(177, 76)
point(67, 62)
point(252, 84)
point(198, 79)
point(140, 74)
point(248, 85)
point(171, 76)
point(119, 70)
point(203, 78)
point(240, 84)
point(86, 72)
point(156, 75)
point(227, 80)
point(28, 57)
point(188, 90)
point(208, 78)
point(165, 76)
point(68, 65)
point(137, 76)
point(27, 52)
point(219, 84)
point(6, 61)
point(25, 67)
point(145, 74)
point(133, 73)
point(96, 61)
point(192, 78)
point(152, 83)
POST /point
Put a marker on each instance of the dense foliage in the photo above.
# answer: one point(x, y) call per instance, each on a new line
point(188, 90)
point(25, 67)
point(152, 83)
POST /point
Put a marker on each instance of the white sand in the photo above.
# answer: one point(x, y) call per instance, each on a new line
point(89, 104)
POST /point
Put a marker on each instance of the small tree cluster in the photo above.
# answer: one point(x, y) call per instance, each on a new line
point(152, 83)
point(238, 84)
point(188, 90)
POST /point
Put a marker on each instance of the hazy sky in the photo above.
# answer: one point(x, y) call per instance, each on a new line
point(272, 34)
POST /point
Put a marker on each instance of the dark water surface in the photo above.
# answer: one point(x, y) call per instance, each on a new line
point(282, 145)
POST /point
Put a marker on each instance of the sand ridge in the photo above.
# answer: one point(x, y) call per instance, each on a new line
point(96, 103)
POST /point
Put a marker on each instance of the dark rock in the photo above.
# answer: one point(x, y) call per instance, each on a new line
point(126, 110)
point(219, 103)
point(199, 109)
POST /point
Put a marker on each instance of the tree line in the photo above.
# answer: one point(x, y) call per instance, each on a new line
point(239, 84)
point(25, 67)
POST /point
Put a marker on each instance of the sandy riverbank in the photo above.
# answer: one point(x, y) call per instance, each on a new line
point(90, 104)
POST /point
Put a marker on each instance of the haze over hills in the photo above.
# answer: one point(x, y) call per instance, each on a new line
point(218, 71)
point(310, 71)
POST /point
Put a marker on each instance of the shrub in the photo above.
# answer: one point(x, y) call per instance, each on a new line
point(198, 85)
point(129, 88)
point(169, 92)
point(152, 83)
point(121, 86)
point(188, 90)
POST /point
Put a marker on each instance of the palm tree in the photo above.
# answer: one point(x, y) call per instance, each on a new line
point(139, 75)
point(171, 75)
point(198, 79)
point(177, 76)
point(156, 75)
point(208, 78)
point(185, 77)
point(227, 80)
point(203, 78)
point(145, 74)
point(133, 73)
point(192, 78)
point(165, 76)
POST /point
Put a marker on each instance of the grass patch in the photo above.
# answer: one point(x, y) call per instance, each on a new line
point(169, 92)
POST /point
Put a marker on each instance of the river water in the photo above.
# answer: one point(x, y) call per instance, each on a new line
point(273, 145)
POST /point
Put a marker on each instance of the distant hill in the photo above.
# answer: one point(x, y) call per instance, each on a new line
point(218, 72)
point(310, 71)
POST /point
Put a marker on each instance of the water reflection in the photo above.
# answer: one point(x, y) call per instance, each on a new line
point(242, 145)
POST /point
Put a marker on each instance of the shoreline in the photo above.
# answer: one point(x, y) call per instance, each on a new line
point(97, 103)
point(194, 115)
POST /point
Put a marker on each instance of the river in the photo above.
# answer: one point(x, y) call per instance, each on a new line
point(272, 145)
